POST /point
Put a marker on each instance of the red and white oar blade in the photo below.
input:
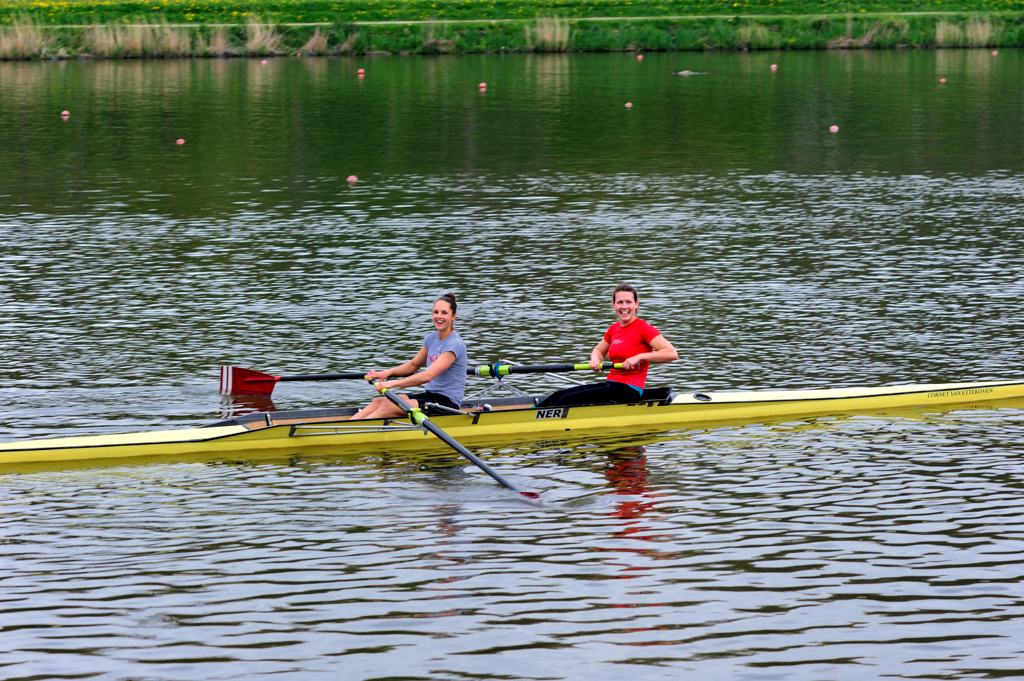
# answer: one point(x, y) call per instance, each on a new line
point(242, 381)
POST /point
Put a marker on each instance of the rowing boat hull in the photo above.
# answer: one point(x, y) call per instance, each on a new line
point(329, 430)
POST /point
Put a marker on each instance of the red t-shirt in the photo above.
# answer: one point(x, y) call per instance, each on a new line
point(626, 341)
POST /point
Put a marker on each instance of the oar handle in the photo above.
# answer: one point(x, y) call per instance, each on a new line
point(502, 369)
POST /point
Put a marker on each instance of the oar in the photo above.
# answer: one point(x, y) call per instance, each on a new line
point(503, 369)
point(242, 381)
point(420, 419)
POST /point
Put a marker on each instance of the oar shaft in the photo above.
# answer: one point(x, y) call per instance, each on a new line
point(323, 377)
point(241, 381)
point(420, 418)
point(483, 370)
point(454, 444)
point(500, 369)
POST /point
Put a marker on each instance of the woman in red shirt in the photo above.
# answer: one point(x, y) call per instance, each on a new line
point(630, 341)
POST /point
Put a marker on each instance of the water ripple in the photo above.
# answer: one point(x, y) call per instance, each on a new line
point(847, 546)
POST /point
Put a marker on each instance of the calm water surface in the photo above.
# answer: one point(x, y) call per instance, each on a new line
point(771, 251)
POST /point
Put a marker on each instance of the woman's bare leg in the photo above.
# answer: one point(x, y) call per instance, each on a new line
point(382, 408)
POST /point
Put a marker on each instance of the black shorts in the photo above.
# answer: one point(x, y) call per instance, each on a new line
point(431, 396)
point(609, 392)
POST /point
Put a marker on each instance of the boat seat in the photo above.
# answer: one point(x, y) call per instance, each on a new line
point(660, 395)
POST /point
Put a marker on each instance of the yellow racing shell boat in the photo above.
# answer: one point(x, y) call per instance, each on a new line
point(494, 421)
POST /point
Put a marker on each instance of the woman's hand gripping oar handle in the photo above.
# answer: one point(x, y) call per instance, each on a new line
point(421, 420)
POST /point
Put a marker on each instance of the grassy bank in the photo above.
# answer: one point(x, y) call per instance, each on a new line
point(64, 12)
point(38, 29)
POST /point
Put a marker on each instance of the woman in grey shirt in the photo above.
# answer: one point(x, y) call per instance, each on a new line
point(443, 353)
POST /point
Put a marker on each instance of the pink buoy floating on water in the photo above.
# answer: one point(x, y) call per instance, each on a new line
point(65, 114)
point(834, 128)
point(942, 80)
point(775, 67)
point(352, 179)
point(180, 142)
point(639, 57)
point(995, 52)
point(482, 86)
point(629, 105)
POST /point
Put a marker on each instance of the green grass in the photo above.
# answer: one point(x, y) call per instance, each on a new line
point(62, 12)
point(32, 29)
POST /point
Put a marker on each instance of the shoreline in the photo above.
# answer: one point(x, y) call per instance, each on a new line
point(27, 40)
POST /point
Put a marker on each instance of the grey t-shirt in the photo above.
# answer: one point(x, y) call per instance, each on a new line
point(452, 382)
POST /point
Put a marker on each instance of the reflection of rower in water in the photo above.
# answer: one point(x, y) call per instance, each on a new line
point(627, 474)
